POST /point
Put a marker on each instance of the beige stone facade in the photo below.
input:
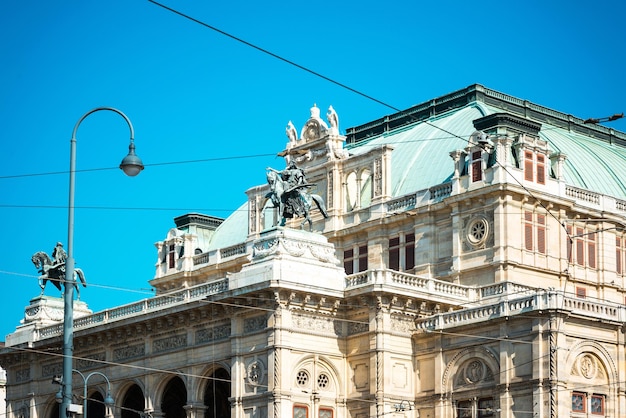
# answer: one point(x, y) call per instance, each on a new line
point(469, 267)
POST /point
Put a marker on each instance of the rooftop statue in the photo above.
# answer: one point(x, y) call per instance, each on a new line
point(290, 193)
point(53, 269)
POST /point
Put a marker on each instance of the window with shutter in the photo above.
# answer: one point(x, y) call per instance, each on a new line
point(618, 255)
point(477, 166)
point(541, 233)
point(591, 251)
point(528, 230)
point(541, 169)
point(528, 166)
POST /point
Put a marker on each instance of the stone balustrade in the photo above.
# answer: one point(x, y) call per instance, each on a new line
point(138, 308)
point(516, 303)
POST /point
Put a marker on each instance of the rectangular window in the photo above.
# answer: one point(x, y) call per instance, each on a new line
point(581, 292)
point(325, 413)
point(535, 232)
point(172, 256)
point(591, 250)
point(477, 166)
point(394, 254)
point(485, 407)
point(541, 233)
point(464, 409)
point(528, 166)
point(348, 261)
point(619, 253)
point(583, 250)
point(528, 230)
point(541, 169)
point(300, 411)
point(402, 250)
point(597, 404)
point(580, 247)
point(362, 258)
point(579, 401)
point(570, 244)
point(409, 251)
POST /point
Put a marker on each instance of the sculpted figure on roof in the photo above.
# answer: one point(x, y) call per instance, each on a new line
point(290, 193)
point(333, 119)
point(291, 132)
point(53, 269)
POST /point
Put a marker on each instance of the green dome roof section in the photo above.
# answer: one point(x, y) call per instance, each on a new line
point(424, 135)
point(421, 152)
point(232, 231)
point(590, 164)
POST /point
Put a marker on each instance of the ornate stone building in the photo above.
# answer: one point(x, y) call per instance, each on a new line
point(471, 264)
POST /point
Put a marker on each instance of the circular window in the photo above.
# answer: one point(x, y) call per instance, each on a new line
point(323, 381)
point(302, 378)
point(477, 231)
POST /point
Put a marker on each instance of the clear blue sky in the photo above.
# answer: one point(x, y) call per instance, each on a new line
point(195, 94)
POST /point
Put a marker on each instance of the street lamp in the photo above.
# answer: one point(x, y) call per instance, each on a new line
point(131, 165)
point(108, 400)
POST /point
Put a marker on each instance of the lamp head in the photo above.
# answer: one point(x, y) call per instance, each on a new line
point(131, 164)
point(59, 396)
point(109, 401)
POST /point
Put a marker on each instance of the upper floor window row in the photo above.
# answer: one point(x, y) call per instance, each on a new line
point(402, 252)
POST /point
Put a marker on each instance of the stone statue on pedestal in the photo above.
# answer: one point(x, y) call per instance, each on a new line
point(53, 269)
point(290, 194)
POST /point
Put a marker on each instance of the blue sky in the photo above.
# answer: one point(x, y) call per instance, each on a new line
point(209, 112)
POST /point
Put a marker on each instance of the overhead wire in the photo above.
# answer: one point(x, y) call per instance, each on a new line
point(291, 63)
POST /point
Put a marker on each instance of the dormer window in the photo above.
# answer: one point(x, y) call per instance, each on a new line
point(534, 167)
point(171, 256)
point(477, 166)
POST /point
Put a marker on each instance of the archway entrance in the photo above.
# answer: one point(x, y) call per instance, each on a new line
point(95, 405)
point(174, 399)
point(216, 395)
point(133, 403)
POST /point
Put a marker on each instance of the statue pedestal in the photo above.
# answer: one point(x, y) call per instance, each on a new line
point(285, 258)
point(43, 311)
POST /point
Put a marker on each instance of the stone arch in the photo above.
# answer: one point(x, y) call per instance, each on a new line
point(600, 365)
point(463, 359)
point(268, 213)
point(366, 187)
point(314, 380)
point(216, 393)
point(52, 408)
point(173, 398)
point(95, 404)
point(132, 401)
point(202, 383)
point(351, 192)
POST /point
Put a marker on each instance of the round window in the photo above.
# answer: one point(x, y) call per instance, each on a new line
point(477, 231)
point(302, 378)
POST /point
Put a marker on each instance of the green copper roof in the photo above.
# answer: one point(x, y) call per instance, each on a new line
point(591, 164)
point(424, 135)
point(232, 231)
point(421, 156)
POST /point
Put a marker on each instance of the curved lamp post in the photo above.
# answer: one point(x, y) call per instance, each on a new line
point(131, 165)
point(108, 400)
